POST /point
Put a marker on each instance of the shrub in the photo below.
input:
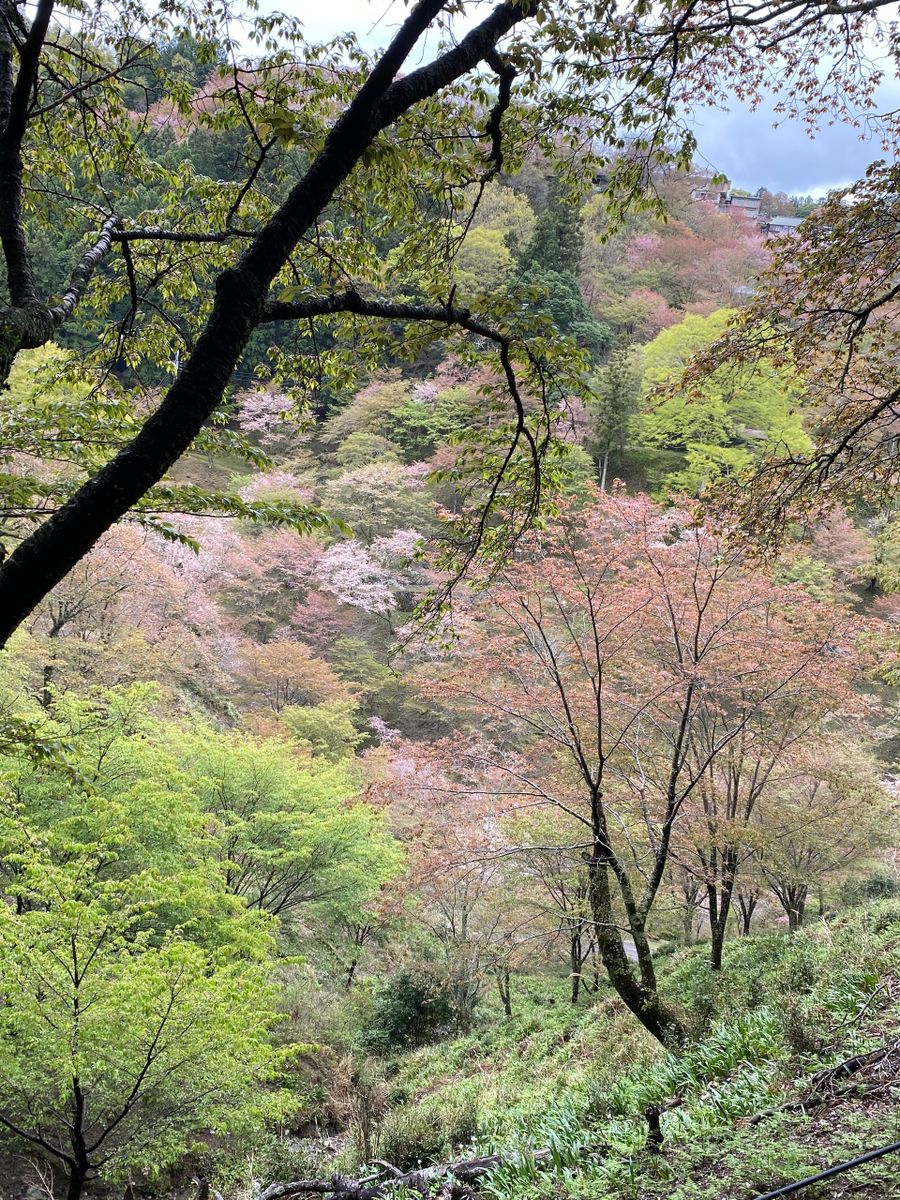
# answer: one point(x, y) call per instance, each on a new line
point(885, 915)
point(409, 1008)
point(461, 1121)
point(879, 886)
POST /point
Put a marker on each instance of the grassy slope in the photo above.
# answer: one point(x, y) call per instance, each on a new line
point(579, 1080)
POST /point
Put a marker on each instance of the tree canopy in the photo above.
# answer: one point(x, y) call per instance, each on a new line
point(171, 253)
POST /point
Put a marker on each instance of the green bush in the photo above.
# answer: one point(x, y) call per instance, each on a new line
point(409, 1008)
point(879, 886)
point(461, 1122)
point(883, 916)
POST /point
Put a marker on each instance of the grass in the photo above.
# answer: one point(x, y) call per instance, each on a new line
point(577, 1080)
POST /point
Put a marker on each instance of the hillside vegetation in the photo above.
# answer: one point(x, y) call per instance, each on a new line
point(449, 604)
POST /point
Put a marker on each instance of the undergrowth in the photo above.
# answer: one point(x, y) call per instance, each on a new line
point(577, 1081)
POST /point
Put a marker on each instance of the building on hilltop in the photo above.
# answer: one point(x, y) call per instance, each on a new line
point(777, 226)
point(728, 201)
point(750, 208)
point(746, 206)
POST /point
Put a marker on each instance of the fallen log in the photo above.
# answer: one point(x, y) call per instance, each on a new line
point(822, 1084)
point(454, 1179)
point(453, 1176)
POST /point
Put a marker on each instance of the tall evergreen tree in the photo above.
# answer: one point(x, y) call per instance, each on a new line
point(556, 242)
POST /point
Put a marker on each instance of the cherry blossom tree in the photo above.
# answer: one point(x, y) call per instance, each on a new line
point(831, 814)
point(127, 612)
point(589, 673)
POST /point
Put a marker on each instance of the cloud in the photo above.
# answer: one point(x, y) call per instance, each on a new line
point(745, 145)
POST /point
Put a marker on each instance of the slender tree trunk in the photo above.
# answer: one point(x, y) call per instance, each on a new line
point(505, 989)
point(575, 962)
point(718, 923)
point(639, 994)
point(351, 971)
point(46, 684)
point(46, 698)
point(720, 894)
point(79, 1171)
point(687, 924)
point(797, 909)
point(746, 907)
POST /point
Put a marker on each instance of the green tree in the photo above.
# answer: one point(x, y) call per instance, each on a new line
point(615, 398)
point(558, 296)
point(327, 730)
point(122, 1038)
point(483, 262)
point(507, 211)
point(286, 830)
point(557, 239)
point(361, 448)
point(379, 498)
point(721, 427)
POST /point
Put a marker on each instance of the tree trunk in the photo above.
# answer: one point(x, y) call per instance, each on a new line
point(792, 897)
point(351, 971)
point(718, 925)
point(687, 924)
point(640, 995)
point(797, 910)
point(575, 963)
point(746, 907)
point(720, 893)
point(46, 698)
point(503, 986)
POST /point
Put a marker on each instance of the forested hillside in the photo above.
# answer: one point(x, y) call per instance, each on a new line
point(450, 587)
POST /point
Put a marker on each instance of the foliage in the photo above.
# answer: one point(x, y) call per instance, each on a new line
point(411, 1137)
point(727, 424)
point(556, 238)
point(410, 1007)
point(286, 830)
point(123, 1036)
point(325, 730)
point(587, 1077)
point(623, 730)
point(840, 338)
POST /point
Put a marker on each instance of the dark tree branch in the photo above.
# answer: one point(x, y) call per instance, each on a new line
point(12, 232)
point(151, 234)
point(48, 554)
point(85, 86)
point(36, 1140)
point(506, 74)
point(29, 57)
point(7, 46)
point(352, 302)
point(465, 1172)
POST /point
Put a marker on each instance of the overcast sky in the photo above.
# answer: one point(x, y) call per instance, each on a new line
point(741, 144)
